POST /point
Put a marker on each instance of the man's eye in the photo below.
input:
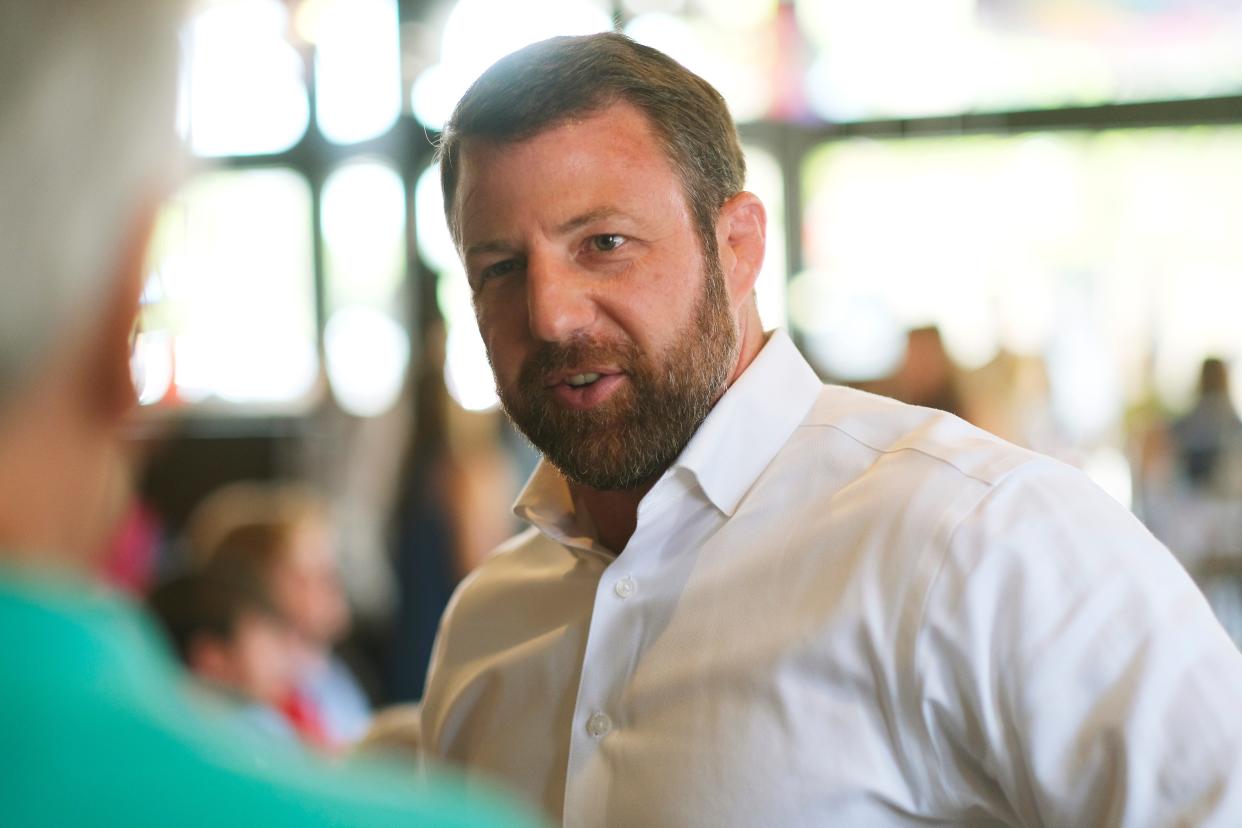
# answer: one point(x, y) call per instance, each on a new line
point(607, 242)
point(501, 268)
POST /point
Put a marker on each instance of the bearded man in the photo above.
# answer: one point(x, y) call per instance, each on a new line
point(748, 598)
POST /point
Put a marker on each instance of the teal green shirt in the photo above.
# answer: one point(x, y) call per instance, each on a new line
point(96, 729)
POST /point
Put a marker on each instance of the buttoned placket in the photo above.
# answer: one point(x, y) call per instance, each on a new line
point(612, 651)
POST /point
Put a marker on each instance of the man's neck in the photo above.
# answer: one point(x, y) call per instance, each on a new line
point(615, 513)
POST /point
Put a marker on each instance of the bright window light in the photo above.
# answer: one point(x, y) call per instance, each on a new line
point(467, 373)
point(672, 34)
point(850, 334)
point(1110, 470)
point(233, 256)
point(434, 94)
point(480, 32)
point(244, 91)
point(737, 62)
point(1086, 398)
point(891, 57)
point(152, 359)
point(968, 329)
point(636, 7)
point(894, 58)
point(367, 354)
point(764, 179)
point(926, 236)
point(366, 348)
point(1026, 307)
point(363, 221)
point(739, 14)
point(1112, 256)
point(152, 365)
point(435, 243)
point(357, 69)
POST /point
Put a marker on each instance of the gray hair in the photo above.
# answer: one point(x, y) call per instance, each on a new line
point(87, 140)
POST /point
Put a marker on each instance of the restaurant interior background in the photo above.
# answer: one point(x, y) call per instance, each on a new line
point(1026, 211)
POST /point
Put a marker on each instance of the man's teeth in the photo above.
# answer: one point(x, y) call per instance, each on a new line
point(578, 380)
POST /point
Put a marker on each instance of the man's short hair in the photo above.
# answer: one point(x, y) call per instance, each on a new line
point(547, 83)
point(87, 140)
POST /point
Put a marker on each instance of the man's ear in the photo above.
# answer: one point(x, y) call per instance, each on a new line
point(111, 378)
point(740, 235)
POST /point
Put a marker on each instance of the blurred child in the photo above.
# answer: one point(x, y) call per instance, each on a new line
point(280, 537)
point(234, 642)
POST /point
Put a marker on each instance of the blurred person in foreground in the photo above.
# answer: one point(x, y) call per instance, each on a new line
point(278, 537)
point(98, 730)
point(751, 599)
point(234, 642)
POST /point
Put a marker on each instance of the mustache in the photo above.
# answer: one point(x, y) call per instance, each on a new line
point(557, 356)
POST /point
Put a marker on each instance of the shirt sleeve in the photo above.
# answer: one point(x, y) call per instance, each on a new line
point(1069, 670)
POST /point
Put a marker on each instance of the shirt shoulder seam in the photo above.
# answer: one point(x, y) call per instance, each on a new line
point(989, 482)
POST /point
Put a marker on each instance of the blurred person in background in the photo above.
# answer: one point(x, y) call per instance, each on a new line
point(1189, 491)
point(234, 642)
point(456, 481)
point(98, 729)
point(747, 598)
point(279, 537)
point(1011, 396)
point(1188, 486)
point(927, 375)
point(1209, 437)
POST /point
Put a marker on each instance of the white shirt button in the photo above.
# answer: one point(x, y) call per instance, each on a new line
point(599, 724)
point(625, 587)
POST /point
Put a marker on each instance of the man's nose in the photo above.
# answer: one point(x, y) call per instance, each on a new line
point(558, 298)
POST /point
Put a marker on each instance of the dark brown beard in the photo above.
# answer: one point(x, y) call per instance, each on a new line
point(640, 430)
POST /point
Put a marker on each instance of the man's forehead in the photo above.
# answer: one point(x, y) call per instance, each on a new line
point(567, 173)
point(597, 129)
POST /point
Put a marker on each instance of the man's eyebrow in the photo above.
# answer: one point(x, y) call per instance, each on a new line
point(489, 247)
point(586, 218)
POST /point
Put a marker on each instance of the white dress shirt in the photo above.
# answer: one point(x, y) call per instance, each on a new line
point(840, 610)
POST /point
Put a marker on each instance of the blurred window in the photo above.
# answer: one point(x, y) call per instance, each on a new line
point(1112, 254)
point(357, 66)
point(243, 90)
point(477, 33)
point(467, 373)
point(765, 179)
point(230, 305)
point(1032, 244)
point(363, 224)
point(365, 340)
point(732, 45)
point(900, 58)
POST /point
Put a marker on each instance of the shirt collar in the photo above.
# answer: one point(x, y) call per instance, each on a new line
point(751, 422)
point(547, 503)
point(736, 442)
